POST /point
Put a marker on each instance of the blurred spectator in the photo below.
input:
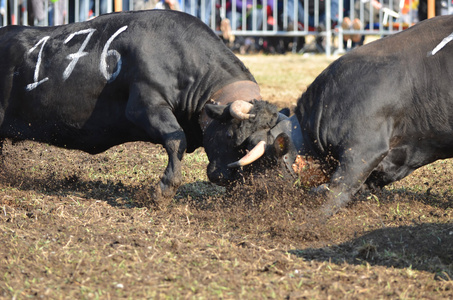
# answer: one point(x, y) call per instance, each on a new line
point(57, 11)
point(87, 9)
point(9, 15)
point(318, 25)
point(2, 11)
point(140, 4)
point(168, 4)
point(347, 24)
point(253, 19)
point(371, 10)
point(423, 9)
point(251, 15)
point(36, 12)
point(195, 8)
point(84, 9)
point(225, 28)
point(311, 12)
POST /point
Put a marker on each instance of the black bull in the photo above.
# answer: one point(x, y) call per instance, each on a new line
point(379, 112)
point(135, 76)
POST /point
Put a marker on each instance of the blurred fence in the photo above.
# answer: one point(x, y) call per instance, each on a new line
point(324, 19)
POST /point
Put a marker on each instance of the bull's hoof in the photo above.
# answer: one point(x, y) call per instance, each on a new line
point(328, 210)
point(163, 196)
point(320, 189)
point(336, 199)
point(334, 204)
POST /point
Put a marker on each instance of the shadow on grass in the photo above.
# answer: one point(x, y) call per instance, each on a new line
point(440, 200)
point(426, 247)
point(115, 193)
point(443, 201)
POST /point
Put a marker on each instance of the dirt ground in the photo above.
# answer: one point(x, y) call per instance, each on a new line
point(78, 226)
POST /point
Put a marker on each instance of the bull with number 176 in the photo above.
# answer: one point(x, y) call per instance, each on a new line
point(157, 76)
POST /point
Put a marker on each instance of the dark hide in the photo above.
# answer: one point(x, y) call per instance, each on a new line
point(132, 76)
point(381, 111)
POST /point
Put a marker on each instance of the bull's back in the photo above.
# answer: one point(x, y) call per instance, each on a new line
point(76, 64)
point(401, 81)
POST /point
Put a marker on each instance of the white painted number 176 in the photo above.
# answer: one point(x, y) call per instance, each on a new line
point(74, 57)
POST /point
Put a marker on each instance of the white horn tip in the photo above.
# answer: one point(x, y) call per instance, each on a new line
point(236, 164)
point(250, 157)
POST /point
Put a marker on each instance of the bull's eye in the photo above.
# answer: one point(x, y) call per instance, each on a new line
point(230, 134)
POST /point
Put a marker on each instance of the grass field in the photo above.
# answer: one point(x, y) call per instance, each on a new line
point(78, 226)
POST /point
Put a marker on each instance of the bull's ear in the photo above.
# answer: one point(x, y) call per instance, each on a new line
point(218, 112)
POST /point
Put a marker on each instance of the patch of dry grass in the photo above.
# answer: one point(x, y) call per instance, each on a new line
point(284, 78)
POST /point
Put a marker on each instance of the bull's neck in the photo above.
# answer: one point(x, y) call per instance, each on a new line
point(239, 90)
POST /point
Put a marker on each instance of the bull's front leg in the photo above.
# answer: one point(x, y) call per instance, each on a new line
point(162, 127)
point(175, 144)
point(355, 165)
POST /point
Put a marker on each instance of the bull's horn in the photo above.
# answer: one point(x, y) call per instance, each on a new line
point(239, 109)
point(250, 157)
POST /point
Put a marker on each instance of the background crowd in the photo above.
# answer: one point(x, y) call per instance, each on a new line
point(230, 16)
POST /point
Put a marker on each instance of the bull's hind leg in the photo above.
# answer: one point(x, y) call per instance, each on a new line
point(399, 163)
point(162, 127)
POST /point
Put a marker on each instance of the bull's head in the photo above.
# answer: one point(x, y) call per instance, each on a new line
point(244, 136)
